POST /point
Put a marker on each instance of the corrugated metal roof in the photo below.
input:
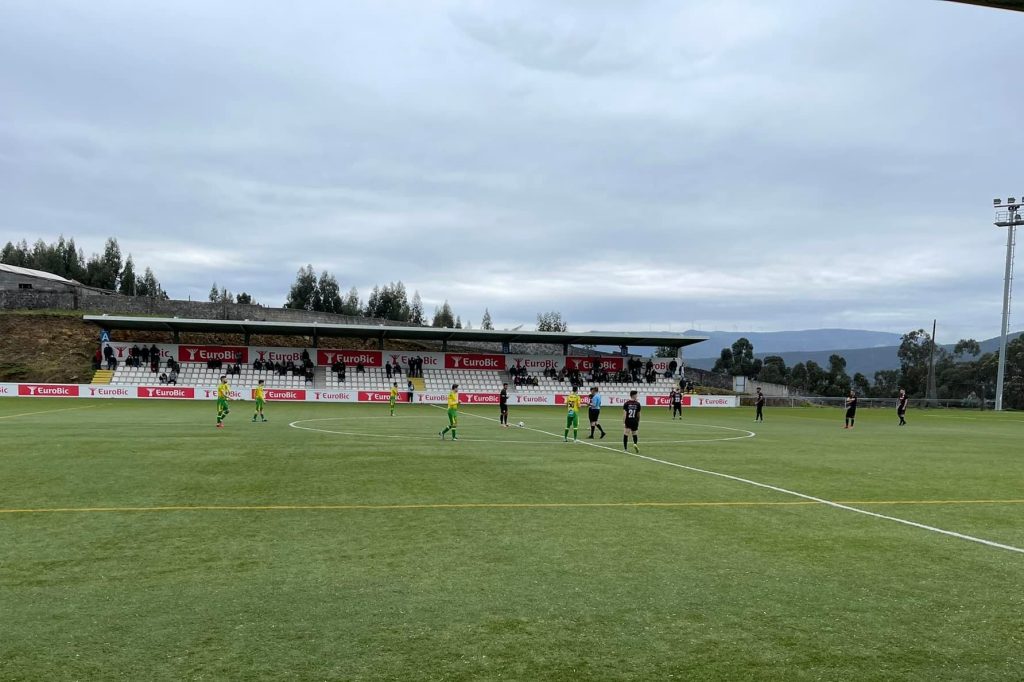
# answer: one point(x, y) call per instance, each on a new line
point(29, 272)
point(384, 332)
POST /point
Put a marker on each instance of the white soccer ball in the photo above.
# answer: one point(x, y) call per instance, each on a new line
point(522, 424)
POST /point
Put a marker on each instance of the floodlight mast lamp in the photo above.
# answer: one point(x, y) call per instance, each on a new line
point(1008, 216)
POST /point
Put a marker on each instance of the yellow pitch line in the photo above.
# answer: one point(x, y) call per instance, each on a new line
point(482, 505)
point(63, 409)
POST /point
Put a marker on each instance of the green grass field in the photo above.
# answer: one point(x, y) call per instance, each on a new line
point(138, 542)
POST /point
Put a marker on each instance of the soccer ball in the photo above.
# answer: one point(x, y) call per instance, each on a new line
point(522, 424)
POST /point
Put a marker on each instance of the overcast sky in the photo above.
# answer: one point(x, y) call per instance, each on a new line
point(714, 164)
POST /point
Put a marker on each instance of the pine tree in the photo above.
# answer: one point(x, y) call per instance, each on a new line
point(486, 322)
point(127, 284)
point(416, 309)
point(300, 297)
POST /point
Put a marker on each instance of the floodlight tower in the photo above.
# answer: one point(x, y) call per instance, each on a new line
point(1008, 216)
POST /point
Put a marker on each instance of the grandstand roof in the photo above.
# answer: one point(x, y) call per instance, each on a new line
point(382, 332)
point(1016, 5)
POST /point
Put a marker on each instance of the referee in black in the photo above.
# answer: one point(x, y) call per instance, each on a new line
point(759, 404)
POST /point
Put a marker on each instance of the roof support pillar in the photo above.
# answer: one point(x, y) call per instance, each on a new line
point(177, 338)
point(565, 349)
point(444, 345)
point(247, 336)
point(380, 342)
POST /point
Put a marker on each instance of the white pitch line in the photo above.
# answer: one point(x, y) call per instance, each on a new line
point(63, 409)
point(830, 503)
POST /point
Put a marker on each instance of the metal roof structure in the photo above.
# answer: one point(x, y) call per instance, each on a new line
point(40, 274)
point(383, 333)
point(1014, 5)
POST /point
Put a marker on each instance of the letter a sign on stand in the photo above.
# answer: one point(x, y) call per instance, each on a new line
point(104, 336)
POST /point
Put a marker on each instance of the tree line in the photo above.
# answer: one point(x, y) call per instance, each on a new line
point(963, 373)
point(102, 270)
point(309, 291)
point(388, 302)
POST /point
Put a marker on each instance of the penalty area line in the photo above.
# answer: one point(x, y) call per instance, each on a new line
point(803, 496)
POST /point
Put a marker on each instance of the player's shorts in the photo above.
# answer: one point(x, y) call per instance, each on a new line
point(632, 424)
point(453, 416)
point(504, 409)
point(593, 414)
point(851, 413)
point(222, 404)
point(260, 402)
point(392, 401)
point(572, 419)
point(900, 411)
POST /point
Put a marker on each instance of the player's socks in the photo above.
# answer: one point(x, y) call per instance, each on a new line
point(591, 431)
point(636, 444)
point(625, 442)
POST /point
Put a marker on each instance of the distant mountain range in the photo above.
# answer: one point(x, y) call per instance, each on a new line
point(866, 359)
point(775, 343)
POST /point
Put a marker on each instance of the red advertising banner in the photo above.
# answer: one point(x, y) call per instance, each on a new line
point(176, 392)
point(474, 361)
point(560, 399)
point(381, 396)
point(368, 358)
point(282, 394)
point(49, 390)
point(227, 354)
point(657, 401)
point(586, 364)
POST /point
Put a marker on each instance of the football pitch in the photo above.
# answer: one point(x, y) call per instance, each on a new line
point(335, 542)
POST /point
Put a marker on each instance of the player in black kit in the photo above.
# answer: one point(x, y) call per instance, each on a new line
point(901, 407)
point(503, 406)
point(631, 408)
point(759, 404)
point(675, 403)
point(851, 409)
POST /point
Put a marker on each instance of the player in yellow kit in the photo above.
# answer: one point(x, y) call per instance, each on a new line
point(393, 398)
point(453, 413)
point(572, 418)
point(223, 393)
point(258, 395)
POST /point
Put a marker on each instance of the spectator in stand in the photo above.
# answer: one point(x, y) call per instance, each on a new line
point(387, 370)
point(154, 351)
point(309, 373)
point(672, 366)
point(396, 368)
point(409, 388)
point(154, 364)
point(359, 368)
point(173, 377)
point(97, 359)
point(305, 357)
point(145, 353)
point(238, 357)
point(163, 377)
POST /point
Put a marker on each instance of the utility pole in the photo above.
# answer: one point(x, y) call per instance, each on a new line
point(931, 369)
point(1008, 216)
